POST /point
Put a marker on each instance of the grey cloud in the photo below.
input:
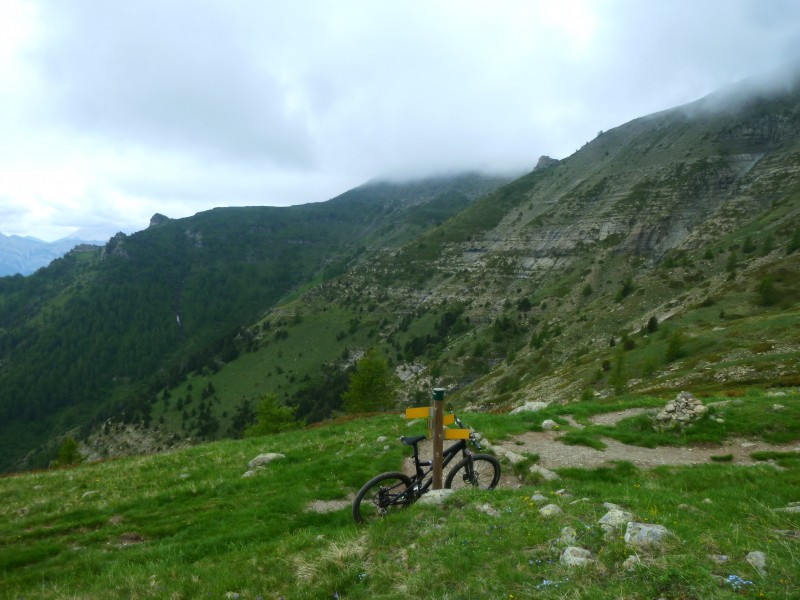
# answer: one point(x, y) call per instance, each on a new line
point(176, 75)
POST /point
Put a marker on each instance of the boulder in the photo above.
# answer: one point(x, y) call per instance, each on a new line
point(572, 556)
point(614, 520)
point(645, 535)
point(550, 510)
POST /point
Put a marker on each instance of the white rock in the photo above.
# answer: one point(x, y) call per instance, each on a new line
point(550, 510)
point(614, 520)
point(572, 556)
point(381, 439)
point(549, 425)
point(631, 562)
point(645, 535)
point(512, 456)
point(568, 536)
point(530, 407)
point(250, 473)
point(435, 497)
point(488, 509)
point(264, 459)
point(759, 561)
point(538, 498)
point(546, 474)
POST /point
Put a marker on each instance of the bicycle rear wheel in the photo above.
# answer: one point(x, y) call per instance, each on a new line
point(381, 495)
point(485, 473)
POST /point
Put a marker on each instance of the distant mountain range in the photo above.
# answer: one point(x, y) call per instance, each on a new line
point(23, 255)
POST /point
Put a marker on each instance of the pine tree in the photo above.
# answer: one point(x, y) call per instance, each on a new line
point(372, 387)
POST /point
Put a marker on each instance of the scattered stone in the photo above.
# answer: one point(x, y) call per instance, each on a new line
point(131, 538)
point(688, 508)
point(183, 476)
point(512, 456)
point(264, 459)
point(707, 501)
point(89, 494)
point(488, 509)
point(579, 501)
point(538, 498)
point(759, 561)
point(550, 510)
point(435, 497)
point(568, 537)
point(530, 407)
point(794, 507)
point(549, 425)
point(614, 520)
point(546, 474)
point(250, 473)
point(792, 534)
point(381, 439)
point(630, 563)
point(778, 407)
point(611, 506)
point(573, 556)
point(719, 559)
point(679, 413)
point(327, 506)
point(645, 535)
point(563, 493)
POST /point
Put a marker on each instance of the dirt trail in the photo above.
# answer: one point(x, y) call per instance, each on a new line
point(553, 454)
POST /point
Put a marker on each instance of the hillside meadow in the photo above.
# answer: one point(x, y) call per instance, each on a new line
point(187, 524)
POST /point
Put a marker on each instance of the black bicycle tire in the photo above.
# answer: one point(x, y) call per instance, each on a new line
point(480, 463)
point(358, 517)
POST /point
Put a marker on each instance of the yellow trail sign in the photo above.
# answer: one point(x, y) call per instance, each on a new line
point(456, 434)
point(418, 413)
point(449, 419)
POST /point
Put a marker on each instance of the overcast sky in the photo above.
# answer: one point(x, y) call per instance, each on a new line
point(111, 111)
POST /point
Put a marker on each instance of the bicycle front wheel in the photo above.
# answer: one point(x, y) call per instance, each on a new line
point(485, 473)
point(381, 495)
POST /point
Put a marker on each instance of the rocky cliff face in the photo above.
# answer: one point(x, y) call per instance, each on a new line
point(564, 238)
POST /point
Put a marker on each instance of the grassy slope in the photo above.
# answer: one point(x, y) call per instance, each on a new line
point(187, 525)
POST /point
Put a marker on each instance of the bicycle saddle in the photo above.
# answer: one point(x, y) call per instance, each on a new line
point(412, 440)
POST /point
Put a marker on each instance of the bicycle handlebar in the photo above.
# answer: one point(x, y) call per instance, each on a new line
point(472, 437)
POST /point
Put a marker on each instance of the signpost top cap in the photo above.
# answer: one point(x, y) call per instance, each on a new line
point(438, 393)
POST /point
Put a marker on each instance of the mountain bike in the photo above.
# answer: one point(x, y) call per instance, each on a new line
point(389, 492)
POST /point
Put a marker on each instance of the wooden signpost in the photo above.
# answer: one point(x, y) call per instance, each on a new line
point(437, 421)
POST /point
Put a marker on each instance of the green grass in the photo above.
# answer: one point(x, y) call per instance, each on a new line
point(185, 524)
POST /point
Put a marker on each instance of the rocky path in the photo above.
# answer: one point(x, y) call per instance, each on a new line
point(554, 454)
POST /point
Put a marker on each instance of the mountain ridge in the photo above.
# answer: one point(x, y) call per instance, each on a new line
point(544, 287)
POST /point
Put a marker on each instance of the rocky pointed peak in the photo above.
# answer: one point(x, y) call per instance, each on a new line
point(545, 162)
point(158, 219)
